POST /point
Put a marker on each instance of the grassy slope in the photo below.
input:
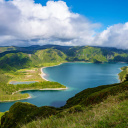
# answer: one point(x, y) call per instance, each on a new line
point(21, 67)
point(46, 56)
point(112, 112)
point(122, 75)
point(95, 54)
point(6, 90)
point(20, 60)
point(50, 56)
point(90, 54)
point(38, 58)
point(92, 98)
point(3, 49)
point(29, 74)
point(14, 61)
point(1, 114)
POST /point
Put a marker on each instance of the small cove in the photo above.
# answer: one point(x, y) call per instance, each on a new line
point(77, 77)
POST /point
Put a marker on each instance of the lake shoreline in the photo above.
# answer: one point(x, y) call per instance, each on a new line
point(5, 101)
point(45, 89)
point(42, 74)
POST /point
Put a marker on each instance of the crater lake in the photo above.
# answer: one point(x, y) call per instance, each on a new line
point(75, 76)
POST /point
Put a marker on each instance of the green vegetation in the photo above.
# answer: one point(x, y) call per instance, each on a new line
point(24, 65)
point(89, 54)
point(14, 61)
point(111, 113)
point(96, 54)
point(7, 98)
point(50, 56)
point(95, 95)
point(20, 112)
point(39, 56)
point(8, 91)
point(123, 74)
point(1, 114)
point(3, 49)
point(28, 74)
point(103, 106)
point(89, 102)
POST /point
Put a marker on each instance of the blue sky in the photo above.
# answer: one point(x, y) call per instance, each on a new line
point(107, 12)
point(66, 22)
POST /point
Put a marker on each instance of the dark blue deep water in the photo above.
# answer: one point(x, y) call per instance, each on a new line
point(77, 77)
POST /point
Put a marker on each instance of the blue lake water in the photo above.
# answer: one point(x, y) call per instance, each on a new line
point(77, 77)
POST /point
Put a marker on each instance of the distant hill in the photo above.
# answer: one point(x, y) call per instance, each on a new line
point(10, 48)
point(14, 61)
point(38, 55)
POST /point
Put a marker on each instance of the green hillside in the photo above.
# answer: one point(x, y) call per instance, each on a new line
point(3, 49)
point(96, 54)
point(14, 61)
point(9, 92)
point(86, 102)
point(38, 56)
point(50, 56)
point(88, 54)
point(111, 113)
point(21, 62)
point(123, 74)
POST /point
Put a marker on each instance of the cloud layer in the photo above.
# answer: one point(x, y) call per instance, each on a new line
point(114, 36)
point(23, 22)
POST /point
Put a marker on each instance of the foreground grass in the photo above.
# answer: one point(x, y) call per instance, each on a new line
point(84, 101)
point(1, 114)
point(112, 112)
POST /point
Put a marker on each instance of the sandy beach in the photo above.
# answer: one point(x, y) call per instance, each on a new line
point(43, 74)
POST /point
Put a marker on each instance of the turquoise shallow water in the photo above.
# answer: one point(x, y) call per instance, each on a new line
point(77, 77)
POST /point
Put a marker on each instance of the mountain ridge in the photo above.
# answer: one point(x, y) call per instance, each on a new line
point(54, 53)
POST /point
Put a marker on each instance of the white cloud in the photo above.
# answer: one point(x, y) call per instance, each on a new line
point(1, 0)
point(23, 22)
point(34, 23)
point(114, 36)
